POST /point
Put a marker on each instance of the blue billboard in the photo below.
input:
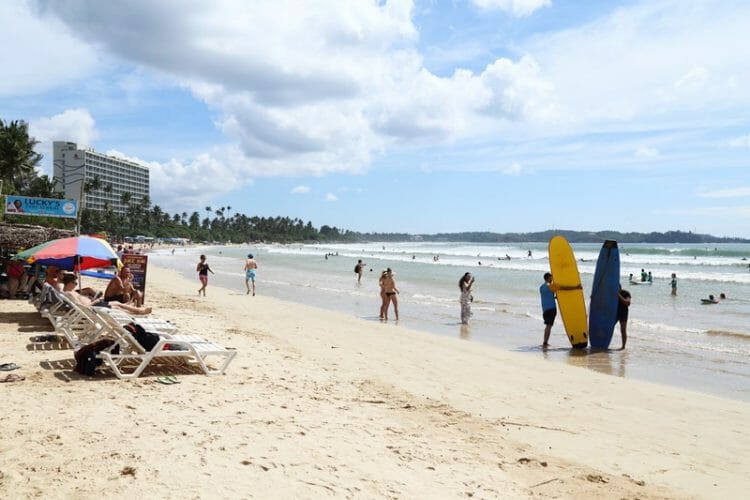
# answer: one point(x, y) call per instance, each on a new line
point(48, 207)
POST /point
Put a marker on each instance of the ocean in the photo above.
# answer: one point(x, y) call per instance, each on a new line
point(673, 340)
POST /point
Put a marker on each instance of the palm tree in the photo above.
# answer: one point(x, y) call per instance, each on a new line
point(18, 160)
point(43, 187)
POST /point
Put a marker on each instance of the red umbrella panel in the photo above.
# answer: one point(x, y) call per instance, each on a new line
point(72, 254)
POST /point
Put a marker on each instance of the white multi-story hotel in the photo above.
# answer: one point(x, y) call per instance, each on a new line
point(73, 167)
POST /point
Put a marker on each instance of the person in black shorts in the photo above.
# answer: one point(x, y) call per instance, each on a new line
point(623, 305)
point(549, 306)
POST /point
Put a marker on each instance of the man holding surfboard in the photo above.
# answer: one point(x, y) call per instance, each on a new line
point(549, 307)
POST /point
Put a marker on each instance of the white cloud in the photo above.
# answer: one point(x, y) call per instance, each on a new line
point(646, 152)
point(74, 125)
point(331, 197)
point(177, 184)
point(518, 8)
point(39, 53)
point(649, 64)
point(741, 211)
point(329, 101)
point(512, 169)
point(738, 192)
point(355, 86)
point(740, 142)
point(300, 190)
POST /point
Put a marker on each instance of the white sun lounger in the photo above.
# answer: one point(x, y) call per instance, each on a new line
point(194, 350)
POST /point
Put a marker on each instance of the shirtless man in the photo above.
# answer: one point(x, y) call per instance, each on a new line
point(250, 267)
point(69, 285)
point(121, 289)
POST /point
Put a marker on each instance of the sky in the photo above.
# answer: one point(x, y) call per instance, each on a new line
point(417, 116)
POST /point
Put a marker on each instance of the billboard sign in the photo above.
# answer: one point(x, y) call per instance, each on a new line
point(137, 264)
point(48, 207)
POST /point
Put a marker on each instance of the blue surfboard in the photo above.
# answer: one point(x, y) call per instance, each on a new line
point(604, 290)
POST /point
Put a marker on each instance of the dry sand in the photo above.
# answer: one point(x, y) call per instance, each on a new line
point(318, 404)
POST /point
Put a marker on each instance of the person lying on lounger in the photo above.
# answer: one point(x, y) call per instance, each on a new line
point(69, 285)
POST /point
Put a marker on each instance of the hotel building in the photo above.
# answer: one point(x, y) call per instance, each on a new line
point(73, 167)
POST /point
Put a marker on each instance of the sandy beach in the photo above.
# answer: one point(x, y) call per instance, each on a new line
point(320, 404)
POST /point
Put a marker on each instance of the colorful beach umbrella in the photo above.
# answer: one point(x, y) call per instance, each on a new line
point(72, 254)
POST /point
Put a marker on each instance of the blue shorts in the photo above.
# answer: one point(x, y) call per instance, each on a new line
point(250, 274)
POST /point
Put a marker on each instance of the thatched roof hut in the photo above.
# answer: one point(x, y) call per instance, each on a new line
point(14, 237)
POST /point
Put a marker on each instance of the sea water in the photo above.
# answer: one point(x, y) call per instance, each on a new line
point(672, 340)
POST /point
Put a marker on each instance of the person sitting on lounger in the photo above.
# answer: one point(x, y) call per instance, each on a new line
point(121, 289)
point(69, 285)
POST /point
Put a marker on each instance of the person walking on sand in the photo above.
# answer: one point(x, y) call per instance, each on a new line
point(623, 306)
point(549, 306)
point(358, 269)
point(673, 284)
point(203, 270)
point(391, 293)
point(465, 284)
point(250, 267)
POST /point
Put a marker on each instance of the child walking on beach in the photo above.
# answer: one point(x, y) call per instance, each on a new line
point(203, 270)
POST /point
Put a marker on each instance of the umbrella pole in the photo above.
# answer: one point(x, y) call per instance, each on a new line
point(77, 270)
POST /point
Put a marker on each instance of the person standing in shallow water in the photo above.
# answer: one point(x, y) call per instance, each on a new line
point(623, 306)
point(359, 269)
point(203, 270)
point(388, 285)
point(383, 296)
point(673, 284)
point(465, 284)
point(549, 306)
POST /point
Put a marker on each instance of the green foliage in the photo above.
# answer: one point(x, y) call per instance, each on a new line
point(18, 160)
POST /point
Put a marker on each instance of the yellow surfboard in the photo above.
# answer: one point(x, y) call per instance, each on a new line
point(571, 304)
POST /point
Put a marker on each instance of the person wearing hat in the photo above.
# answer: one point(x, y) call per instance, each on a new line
point(250, 267)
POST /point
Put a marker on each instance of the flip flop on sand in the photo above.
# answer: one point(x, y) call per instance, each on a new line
point(46, 338)
point(12, 378)
point(6, 367)
point(169, 380)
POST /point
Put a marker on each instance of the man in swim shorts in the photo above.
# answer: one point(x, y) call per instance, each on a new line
point(250, 267)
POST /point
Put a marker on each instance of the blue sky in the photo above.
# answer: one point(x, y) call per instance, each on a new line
point(404, 116)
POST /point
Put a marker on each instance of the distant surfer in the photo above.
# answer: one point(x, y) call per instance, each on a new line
point(710, 300)
point(529, 254)
point(465, 284)
point(623, 306)
point(673, 284)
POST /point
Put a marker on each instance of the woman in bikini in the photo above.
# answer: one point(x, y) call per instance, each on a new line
point(383, 296)
point(388, 286)
point(203, 270)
